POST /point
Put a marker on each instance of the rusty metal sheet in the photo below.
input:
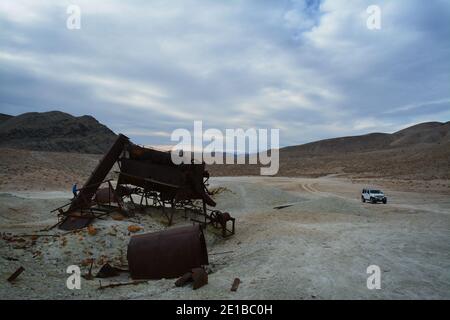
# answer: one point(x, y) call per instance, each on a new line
point(75, 222)
point(150, 155)
point(85, 195)
point(170, 175)
point(167, 254)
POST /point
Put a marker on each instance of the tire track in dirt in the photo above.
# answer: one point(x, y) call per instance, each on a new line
point(312, 189)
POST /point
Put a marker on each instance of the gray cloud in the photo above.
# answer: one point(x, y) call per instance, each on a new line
point(310, 68)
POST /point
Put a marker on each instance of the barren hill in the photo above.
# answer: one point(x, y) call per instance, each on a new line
point(55, 131)
point(4, 117)
point(418, 152)
point(433, 133)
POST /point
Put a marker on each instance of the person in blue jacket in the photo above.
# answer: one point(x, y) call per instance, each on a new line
point(75, 190)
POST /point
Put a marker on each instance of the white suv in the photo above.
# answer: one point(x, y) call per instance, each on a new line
point(373, 196)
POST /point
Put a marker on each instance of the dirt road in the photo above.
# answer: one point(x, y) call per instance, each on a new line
point(319, 247)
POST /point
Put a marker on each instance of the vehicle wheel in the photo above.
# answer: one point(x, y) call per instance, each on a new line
point(372, 200)
point(384, 201)
point(363, 199)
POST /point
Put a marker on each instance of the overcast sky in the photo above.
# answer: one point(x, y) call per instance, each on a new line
point(310, 68)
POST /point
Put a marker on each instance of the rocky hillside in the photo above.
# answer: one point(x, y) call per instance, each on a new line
point(418, 152)
point(429, 133)
point(55, 131)
point(4, 117)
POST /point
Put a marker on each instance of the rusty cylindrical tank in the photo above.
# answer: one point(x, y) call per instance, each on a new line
point(167, 254)
point(105, 195)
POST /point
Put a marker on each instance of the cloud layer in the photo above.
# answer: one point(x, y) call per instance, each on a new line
point(310, 68)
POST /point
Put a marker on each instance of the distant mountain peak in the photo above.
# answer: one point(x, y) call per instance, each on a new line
point(55, 131)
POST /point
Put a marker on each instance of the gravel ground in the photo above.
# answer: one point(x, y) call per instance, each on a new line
point(317, 248)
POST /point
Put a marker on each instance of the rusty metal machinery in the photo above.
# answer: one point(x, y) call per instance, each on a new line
point(153, 170)
point(151, 175)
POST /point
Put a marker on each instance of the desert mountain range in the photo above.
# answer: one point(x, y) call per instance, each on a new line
point(421, 151)
point(418, 152)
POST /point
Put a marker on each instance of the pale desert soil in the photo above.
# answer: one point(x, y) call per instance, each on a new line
point(25, 170)
point(319, 248)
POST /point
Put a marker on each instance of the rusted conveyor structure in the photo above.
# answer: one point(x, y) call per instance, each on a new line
point(151, 175)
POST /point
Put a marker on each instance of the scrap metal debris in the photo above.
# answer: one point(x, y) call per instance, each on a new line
point(198, 276)
point(235, 285)
point(120, 284)
point(187, 277)
point(89, 275)
point(218, 190)
point(219, 220)
point(108, 271)
point(16, 274)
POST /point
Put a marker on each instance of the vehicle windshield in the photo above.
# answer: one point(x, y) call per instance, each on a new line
point(375, 191)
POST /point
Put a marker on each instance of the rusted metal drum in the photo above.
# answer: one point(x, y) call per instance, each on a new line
point(105, 195)
point(167, 254)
